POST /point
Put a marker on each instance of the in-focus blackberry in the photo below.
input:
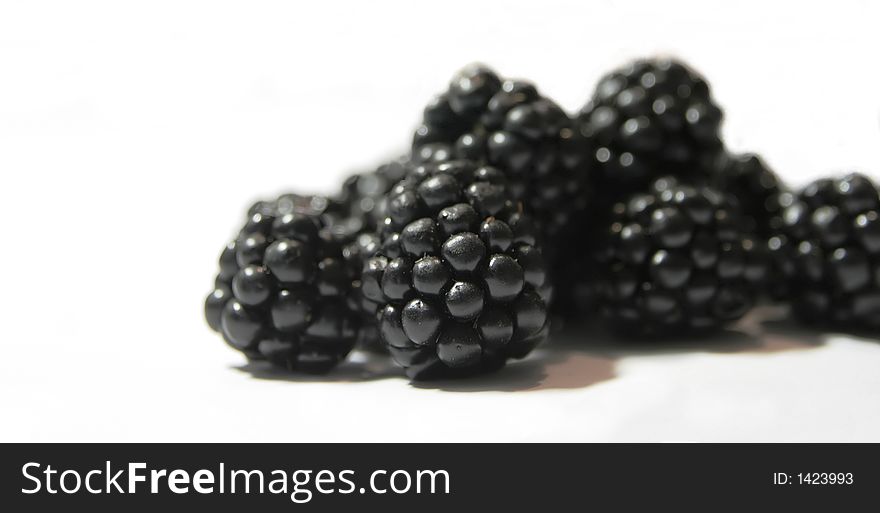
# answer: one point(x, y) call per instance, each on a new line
point(286, 291)
point(831, 241)
point(650, 118)
point(757, 189)
point(678, 259)
point(509, 125)
point(459, 282)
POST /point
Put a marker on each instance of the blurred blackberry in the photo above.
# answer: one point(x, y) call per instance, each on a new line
point(459, 283)
point(678, 259)
point(363, 194)
point(650, 118)
point(762, 196)
point(433, 153)
point(317, 206)
point(757, 188)
point(365, 199)
point(286, 292)
point(831, 240)
point(360, 244)
point(509, 125)
point(576, 296)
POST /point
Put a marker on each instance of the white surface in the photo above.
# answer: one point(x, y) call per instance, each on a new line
point(132, 137)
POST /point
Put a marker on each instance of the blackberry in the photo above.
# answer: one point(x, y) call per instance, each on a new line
point(678, 259)
point(317, 206)
point(830, 240)
point(762, 196)
point(757, 188)
point(509, 125)
point(365, 200)
point(650, 118)
point(286, 292)
point(363, 194)
point(459, 282)
point(360, 243)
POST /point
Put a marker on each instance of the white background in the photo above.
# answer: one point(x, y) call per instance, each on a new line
point(133, 135)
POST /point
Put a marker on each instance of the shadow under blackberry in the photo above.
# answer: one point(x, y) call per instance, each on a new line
point(578, 356)
point(548, 368)
point(765, 329)
point(360, 367)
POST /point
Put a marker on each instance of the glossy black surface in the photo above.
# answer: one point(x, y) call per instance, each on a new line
point(464, 300)
point(253, 285)
point(397, 278)
point(459, 346)
point(430, 275)
point(650, 118)
point(363, 194)
point(509, 125)
point(291, 261)
point(292, 310)
point(504, 277)
point(496, 235)
point(463, 251)
point(829, 243)
point(241, 327)
point(288, 290)
point(421, 321)
point(472, 289)
point(214, 304)
point(457, 218)
point(759, 191)
point(676, 259)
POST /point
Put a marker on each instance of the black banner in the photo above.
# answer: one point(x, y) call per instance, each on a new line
point(415, 478)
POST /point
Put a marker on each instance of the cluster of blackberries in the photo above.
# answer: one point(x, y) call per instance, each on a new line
point(508, 211)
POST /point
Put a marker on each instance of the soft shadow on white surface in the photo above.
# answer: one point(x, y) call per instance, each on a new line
point(552, 367)
point(547, 368)
point(767, 329)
